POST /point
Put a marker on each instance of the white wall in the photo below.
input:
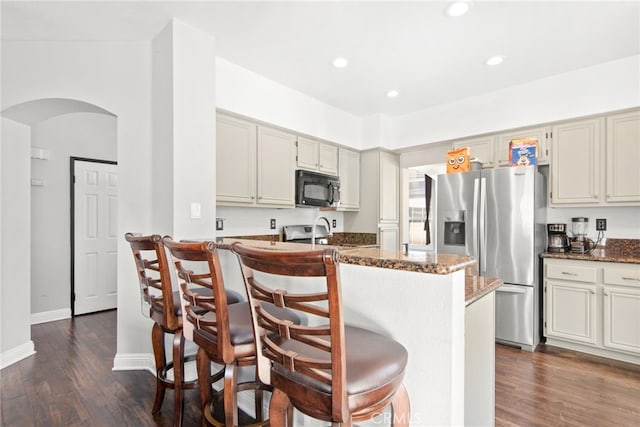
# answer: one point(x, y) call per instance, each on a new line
point(87, 135)
point(606, 87)
point(114, 76)
point(184, 130)
point(255, 221)
point(622, 222)
point(15, 270)
point(245, 92)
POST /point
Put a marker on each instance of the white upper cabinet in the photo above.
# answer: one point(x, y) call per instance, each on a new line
point(317, 156)
point(328, 159)
point(307, 154)
point(623, 158)
point(482, 148)
point(542, 134)
point(255, 165)
point(349, 173)
point(576, 162)
point(595, 162)
point(235, 161)
point(276, 167)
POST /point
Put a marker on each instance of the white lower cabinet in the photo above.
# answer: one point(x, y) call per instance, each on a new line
point(593, 307)
point(389, 237)
point(571, 311)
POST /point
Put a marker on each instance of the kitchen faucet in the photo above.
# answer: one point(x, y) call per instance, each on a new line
point(313, 230)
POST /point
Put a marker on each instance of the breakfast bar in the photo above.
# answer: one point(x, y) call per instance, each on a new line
point(431, 303)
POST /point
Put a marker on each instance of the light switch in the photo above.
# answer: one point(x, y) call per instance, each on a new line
point(196, 210)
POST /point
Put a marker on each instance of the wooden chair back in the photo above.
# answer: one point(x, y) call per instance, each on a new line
point(212, 316)
point(326, 368)
point(154, 278)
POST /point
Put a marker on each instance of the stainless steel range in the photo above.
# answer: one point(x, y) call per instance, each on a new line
point(304, 234)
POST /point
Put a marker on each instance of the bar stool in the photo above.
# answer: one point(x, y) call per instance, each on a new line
point(329, 371)
point(154, 277)
point(223, 332)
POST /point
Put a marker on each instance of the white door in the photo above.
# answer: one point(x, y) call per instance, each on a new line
point(95, 228)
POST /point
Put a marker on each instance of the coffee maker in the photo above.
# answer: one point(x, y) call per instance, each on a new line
point(558, 241)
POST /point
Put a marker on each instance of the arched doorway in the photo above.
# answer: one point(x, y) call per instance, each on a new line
point(61, 128)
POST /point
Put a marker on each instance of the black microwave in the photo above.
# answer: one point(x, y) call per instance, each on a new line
point(316, 189)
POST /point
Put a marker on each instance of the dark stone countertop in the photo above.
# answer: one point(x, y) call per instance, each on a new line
point(615, 250)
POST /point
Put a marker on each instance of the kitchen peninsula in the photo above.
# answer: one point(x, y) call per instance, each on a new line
point(433, 305)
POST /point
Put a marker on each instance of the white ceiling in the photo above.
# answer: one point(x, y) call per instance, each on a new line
point(412, 46)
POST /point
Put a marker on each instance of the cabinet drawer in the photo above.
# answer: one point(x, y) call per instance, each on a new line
point(622, 276)
point(573, 273)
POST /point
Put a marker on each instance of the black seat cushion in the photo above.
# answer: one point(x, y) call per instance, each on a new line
point(372, 360)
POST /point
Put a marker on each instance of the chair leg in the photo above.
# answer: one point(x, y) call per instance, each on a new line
point(280, 409)
point(157, 341)
point(204, 380)
point(178, 377)
point(230, 398)
point(401, 408)
point(258, 399)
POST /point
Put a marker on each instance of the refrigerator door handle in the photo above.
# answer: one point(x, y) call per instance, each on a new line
point(512, 289)
point(474, 237)
point(483, 225)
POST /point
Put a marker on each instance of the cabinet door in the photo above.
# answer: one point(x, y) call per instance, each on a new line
point(276, 167)
point(571, 311)
point(482, 148)
point(576, 163)
point(235, 161)
point(389, 187)
point(307, 154)
point(328, 159)
point(541, 134)
point(349, 173)
point(389, 238)
point(622, 318)
point(623, 158)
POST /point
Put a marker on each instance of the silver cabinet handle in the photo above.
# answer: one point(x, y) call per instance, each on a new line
point(605, 293)
point(592, 291)
point(635, 279)
point(569, 274)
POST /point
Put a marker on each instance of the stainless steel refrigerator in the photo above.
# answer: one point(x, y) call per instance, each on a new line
point(498, 217)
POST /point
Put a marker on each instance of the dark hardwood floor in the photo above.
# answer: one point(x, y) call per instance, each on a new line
point(556, 387)
point(69, 382)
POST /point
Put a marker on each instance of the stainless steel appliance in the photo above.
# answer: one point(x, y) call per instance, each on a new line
point(316, 189)
point(557, 239)
point(496, 216)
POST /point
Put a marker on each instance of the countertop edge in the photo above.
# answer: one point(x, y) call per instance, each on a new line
point(599, 257)
point(476, 287)
point(358, 256)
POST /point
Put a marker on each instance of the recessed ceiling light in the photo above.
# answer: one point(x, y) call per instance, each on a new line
point(457, 8)
point(392, 94)
point(340, 62)
point(495, 60)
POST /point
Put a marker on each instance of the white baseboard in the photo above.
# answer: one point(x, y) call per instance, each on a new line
point(134, 362)
point(16, 354)
point(50, 316)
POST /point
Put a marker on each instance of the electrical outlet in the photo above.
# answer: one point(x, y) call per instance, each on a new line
point(601, 224)
point(334, 223)
point(219, 224)
point(273, 223)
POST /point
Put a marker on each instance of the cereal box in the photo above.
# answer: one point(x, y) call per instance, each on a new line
point(523, 152)
point(458, 160)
